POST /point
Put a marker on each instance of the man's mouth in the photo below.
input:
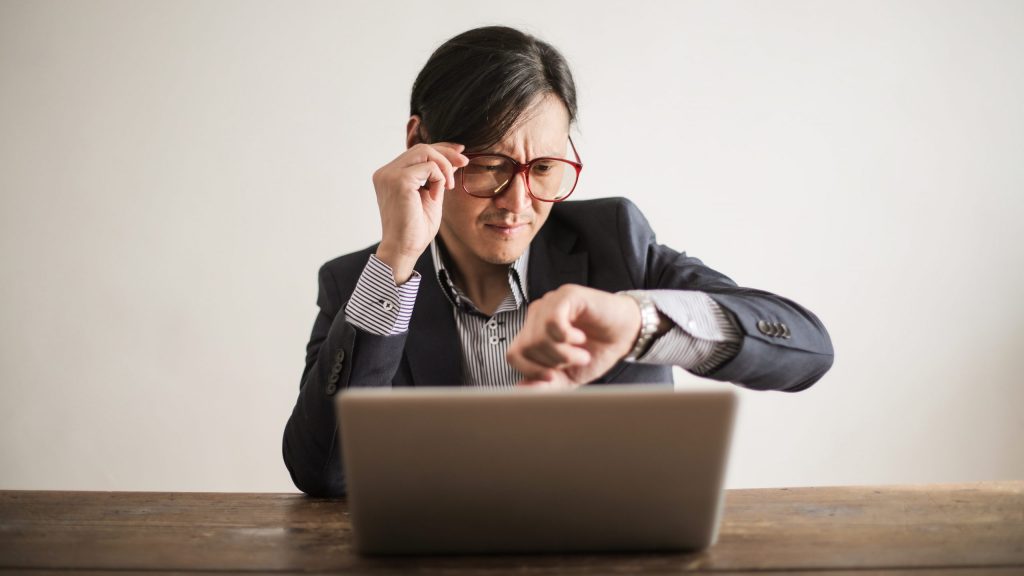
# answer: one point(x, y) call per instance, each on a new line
point(507, 228)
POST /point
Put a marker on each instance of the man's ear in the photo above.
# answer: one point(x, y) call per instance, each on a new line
point(412, 131)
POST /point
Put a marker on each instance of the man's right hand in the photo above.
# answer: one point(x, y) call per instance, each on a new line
point(410, 191)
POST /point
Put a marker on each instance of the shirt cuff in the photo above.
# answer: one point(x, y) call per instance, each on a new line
point(377, 304)
point(703, 338)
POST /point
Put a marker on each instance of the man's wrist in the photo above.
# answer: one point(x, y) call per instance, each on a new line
point(401, 266)
point(650, 325)
point(379, 306)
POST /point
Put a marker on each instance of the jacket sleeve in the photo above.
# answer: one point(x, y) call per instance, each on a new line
point(338, 355)
point(783, 346)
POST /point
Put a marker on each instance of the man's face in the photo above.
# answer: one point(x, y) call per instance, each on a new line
point(496, 231)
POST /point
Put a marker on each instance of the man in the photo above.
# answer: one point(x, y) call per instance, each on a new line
point(483, 277)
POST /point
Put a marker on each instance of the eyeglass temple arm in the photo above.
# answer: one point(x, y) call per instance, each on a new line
point(575, 153)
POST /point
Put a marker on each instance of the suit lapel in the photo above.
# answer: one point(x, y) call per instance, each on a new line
point(551, 262)
point(432, 348)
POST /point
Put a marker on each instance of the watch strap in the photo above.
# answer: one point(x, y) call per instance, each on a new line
point(649, 321)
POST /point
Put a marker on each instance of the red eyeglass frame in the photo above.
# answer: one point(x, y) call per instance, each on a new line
point(525, 168)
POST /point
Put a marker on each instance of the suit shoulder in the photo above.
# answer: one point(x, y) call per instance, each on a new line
point(585, 209)
point(602, 216)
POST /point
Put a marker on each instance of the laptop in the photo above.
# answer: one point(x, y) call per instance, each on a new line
point(609, 468)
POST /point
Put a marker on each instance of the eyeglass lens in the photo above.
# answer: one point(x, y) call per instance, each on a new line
point(548, 179)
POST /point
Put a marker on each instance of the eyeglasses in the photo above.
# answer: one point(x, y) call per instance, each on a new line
point(548, 179)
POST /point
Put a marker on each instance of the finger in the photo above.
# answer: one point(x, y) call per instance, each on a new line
point(561, 330)
point(541, 385)
point(557, 355)
point(575, 337)
point(559, 383)
point(565, 333)
point(559, 326)
point(530, 369)
point(436, 184)
point(454, 155)
point(554, 329)
point(452, 145)
point(428, 175)
point(422, 174)
point(541, 357)
point(574, 355)
point(428, 153)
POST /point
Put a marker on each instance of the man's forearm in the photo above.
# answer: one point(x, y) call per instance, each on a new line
point(341, 354)
point(700, 335)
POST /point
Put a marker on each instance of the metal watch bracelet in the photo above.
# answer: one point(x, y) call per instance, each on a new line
point(648, 324)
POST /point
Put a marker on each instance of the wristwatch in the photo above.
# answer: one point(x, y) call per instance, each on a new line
point(649, 321)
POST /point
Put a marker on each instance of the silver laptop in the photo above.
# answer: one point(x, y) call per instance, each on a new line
point(475, 470)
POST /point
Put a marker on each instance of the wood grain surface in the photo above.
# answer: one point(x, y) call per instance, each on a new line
point(952, 529)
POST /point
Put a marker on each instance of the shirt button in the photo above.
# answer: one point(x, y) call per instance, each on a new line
point(492, 324)
point(387, 306)
point(493, 340)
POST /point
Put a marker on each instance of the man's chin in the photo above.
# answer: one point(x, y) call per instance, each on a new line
point(503, 259)
point(503, 255)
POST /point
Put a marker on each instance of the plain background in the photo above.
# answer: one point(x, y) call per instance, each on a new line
point(172, 174)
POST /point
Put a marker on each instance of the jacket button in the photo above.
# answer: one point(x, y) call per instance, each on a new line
point(333, 378)
point(764, 327)
point(785, 331)
point(331, 388)
point(336, 368)
point(339, 356)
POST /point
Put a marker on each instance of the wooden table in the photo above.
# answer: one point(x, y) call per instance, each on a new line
point(954, 529)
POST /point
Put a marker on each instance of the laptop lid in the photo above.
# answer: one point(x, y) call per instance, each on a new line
point(476, 470)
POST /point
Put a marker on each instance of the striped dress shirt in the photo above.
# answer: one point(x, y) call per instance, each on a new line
point(703, 336)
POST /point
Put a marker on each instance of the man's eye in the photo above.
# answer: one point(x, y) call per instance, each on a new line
point(489, 165)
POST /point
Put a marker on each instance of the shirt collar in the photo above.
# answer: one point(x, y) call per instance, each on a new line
point(516, 277)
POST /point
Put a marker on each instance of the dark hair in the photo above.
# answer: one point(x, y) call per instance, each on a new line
point(476, 87)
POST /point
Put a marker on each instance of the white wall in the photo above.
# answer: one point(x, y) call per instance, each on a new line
point(173, 173)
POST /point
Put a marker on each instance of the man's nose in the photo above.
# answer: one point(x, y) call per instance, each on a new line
point(515, 197)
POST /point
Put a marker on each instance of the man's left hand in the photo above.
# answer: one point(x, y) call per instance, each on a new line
point(573, 335)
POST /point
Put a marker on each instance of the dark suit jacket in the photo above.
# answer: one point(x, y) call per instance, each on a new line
point(606, 244)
